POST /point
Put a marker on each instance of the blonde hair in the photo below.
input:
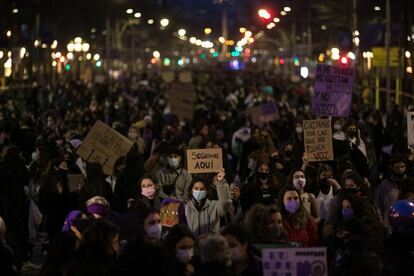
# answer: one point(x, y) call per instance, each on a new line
point(98, 200)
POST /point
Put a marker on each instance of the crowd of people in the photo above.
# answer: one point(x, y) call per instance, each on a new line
point(152, 217)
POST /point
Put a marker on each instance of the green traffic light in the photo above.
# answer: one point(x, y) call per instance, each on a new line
point(67, 67)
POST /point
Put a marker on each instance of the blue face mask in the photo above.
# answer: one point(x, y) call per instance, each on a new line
point(347, 213)
point(174, 163)
point(199, 195)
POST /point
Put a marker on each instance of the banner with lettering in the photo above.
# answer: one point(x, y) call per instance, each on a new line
point(204, 160)
point(318, 139)
point(333, 91)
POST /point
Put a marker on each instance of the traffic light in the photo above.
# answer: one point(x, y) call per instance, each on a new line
point(265, 14)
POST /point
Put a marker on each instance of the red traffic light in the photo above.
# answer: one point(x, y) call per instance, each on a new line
point(344, 60)
point(265, 14)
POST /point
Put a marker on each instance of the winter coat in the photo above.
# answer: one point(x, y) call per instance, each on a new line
point(207, 218)
point(174, 183)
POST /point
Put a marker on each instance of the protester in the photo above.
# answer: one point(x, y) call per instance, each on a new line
point(178, 250)
point(299, 225)
point(203, 215)
point(7, 261)
point(244, 258)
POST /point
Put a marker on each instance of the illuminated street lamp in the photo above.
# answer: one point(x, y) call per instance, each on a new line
point(182, 32)
point(164, 22)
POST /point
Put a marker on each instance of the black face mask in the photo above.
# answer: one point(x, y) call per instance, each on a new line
point(262, 175)
point(351, 190)
point(288, 153)
point(352, 133)
point(324, 185)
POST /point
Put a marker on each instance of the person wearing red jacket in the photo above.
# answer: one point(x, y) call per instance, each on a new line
point(297, 222)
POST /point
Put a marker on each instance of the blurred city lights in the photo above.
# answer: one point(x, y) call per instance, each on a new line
point(15, 11)
point(96, 57)
point(9, 33)
point(156, 54)
point(304, 72)
point(164, 22)
point(137, 15)
point(287, 9)
point(129, 11)
point(193, 40)
point(242, 30)
point(70, 56)
point(150, 21)
point(407, 54)
point(377, 8)
point(263, 13)
point(181, 32)
point(207, 30)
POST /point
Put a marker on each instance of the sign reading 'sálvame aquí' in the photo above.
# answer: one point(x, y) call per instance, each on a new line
point(318, 139)
point(204, 160)
point(104, 145)
point(333, 91)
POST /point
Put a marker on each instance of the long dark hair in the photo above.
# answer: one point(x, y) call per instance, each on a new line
point(61, 253)
point(97, 239)
point(298, 220)
point(177, 233)
point(95, 181)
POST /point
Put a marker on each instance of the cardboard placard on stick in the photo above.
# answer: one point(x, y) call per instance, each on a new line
point(318, 139)
point(410, 129)
point(104, 145)
point(182, 100)
point(264, 113)
point(294, 261)
point(333, 91)
point(185, 77)
point(204, 160)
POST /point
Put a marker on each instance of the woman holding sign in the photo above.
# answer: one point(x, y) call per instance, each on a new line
point(203, 215)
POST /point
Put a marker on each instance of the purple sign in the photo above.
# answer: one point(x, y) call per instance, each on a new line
point(333, 91)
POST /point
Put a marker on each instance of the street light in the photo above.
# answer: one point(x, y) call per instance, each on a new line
point(263, 13)
point(9, 33)
point(181, 32)
point(129, 11)
point(156, 54)
point(137, 15)
point(15, 11)
point(164, 22)
point(287, 9)
point(70, 47)
point(207, 31)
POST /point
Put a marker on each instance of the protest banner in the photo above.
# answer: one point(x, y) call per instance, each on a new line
point(75, 182)
point(264, 113)
point(168, 76)
point(182, 100)
point(294, 261)
point(104, 145)
point(410, 129)
point(318, 139)
point(333, 91)
point(185, 77)
point(204, 160)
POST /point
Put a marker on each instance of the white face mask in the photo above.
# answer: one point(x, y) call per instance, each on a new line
point(184, 256)
point(35, 155)
point(299, 183)
point(299, 130)
point(154, 231)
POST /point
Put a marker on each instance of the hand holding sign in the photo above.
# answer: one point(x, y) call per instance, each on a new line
point(220, 175)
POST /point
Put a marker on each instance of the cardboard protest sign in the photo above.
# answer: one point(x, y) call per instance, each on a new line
point(318, 139)
point(410, 129)
point(182, 100)
point(104, 145)
point(204, 160)
point(333, 91)
point(264, 113)
point(185, 77)
point(295, 261)
point(168, 76)
point(75, 182)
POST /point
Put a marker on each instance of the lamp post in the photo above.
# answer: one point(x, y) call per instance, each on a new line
point(78, 46)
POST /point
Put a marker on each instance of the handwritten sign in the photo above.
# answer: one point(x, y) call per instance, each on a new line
point(182, 100)
point(264, 113)
point(185, 77)
point(333, 91)
point(410, 129)
point(294, 261)
point(204, 160)
point(104, 145)
point(318, 139)
point(168, 76)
